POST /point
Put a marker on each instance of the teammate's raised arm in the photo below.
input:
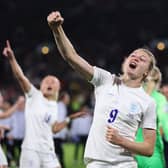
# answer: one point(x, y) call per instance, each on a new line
point(65, 47)
point(17, 71)
point(12, 109)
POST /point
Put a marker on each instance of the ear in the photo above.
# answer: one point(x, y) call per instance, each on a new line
point(145, 75)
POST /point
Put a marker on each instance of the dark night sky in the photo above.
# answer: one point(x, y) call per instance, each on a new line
point(107, 29)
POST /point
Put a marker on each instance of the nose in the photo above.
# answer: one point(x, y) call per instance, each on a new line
point(136, 58)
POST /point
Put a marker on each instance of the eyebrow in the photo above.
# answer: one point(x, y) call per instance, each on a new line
point(143, 56)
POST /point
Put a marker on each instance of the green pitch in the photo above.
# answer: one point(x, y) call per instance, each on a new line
point(69, 161)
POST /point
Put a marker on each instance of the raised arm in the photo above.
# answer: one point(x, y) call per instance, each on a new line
point(145, 148)
point(12, 109)
point(65, 47)
point(16, 69)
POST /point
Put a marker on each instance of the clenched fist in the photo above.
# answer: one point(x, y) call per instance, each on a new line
point(54, 20)
point(113, 136)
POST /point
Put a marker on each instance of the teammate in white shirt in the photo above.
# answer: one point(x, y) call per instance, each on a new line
point(3, 115)
point(121, 105)
point(40, 118)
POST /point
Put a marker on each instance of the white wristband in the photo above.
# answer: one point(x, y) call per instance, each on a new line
point(67, 120)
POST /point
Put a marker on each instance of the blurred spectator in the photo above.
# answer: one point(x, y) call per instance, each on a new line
point(7, 141)
point(60, 137)
point(7, 111)
point(18, 130)
point(79, 131)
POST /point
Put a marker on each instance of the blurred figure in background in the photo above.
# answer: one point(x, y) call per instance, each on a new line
point(157, 160)
point(79, 131)
point(7, 141)
point(164, 90)
point(18, 130)
point(60, 137)
point(3, 115)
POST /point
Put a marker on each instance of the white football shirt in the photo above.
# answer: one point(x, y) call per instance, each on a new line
point(121, 107)
point(40, 115)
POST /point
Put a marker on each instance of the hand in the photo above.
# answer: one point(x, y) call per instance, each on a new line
point(54, 20)
point(112, 135)
point(8, 52)
point(78, 114)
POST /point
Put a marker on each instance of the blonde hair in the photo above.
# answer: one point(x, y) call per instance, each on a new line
point(150, 54)
point(152, 62)
point(155, 76)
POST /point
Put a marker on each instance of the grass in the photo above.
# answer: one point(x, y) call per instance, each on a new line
point(69, 161)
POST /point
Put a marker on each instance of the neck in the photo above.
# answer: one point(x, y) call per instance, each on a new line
point(50, 98)
point(134, 83)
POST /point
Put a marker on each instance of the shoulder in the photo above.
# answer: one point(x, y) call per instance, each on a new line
point(147, 99)
point(33, 92)
point(98, 70)
point(101, 77)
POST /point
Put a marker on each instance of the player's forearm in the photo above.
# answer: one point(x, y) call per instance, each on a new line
point(18, 73)
point(64, 45)
point(70, 55)
point(141, 148)
point(59, 126)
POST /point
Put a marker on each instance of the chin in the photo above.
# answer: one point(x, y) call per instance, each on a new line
point(132, 76)
point(46, 94)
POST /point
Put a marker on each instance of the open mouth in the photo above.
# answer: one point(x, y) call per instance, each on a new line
point(49, 88)
point(132, 65)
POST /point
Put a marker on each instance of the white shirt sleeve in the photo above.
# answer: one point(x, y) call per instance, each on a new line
point(101, 77)
point(149, 118)
point(31, 92)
